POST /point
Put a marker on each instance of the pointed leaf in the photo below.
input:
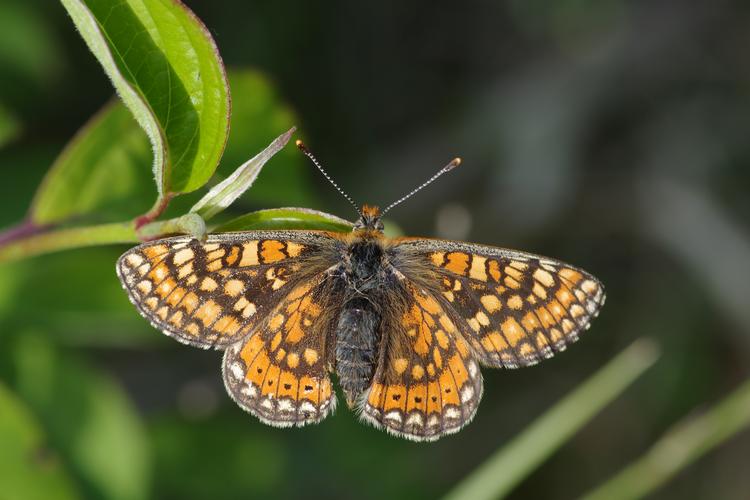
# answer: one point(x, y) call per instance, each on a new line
point(223, 194)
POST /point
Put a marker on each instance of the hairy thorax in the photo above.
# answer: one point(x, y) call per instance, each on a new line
point(358, 326)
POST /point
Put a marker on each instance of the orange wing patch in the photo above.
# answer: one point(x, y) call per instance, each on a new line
point(211, 294)
point(427, 384)
point(279, 374)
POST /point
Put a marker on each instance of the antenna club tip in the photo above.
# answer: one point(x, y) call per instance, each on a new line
point(299, 144)
point(453, 164)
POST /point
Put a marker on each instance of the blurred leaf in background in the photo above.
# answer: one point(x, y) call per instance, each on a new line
point(29, 468)
point(86, 416)
point(103, 172)
point(9, 126)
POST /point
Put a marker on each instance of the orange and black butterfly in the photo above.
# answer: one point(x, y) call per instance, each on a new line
point(404, 323)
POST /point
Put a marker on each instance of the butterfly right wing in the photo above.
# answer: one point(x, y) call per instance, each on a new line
point(214, 293)
point(427, 383)
point(514, 308)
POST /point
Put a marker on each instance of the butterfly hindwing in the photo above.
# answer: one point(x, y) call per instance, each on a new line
point(427, 383)
point(213, 293)
point(280, 373)
point(514, 308)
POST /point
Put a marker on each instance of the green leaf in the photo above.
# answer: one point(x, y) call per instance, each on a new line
point(30, 51)
point(679, 448)
point(497, 476)
point(223, 194)
point(166, 68)
point(286, 218)
point(103, 169)
point(29, 469)
point(9, 126)
point(88, 418)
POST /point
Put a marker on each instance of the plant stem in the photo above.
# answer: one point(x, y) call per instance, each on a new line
point(62, 239)
point(499, 474)
point(678, 448)
point(22, 230)
point(159, 207)
point(190, 223)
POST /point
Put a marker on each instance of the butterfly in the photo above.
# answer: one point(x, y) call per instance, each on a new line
point(404, 323)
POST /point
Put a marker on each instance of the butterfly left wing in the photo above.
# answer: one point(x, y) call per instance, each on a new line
point(280, 373)
point(427, 383)
point(513, 308)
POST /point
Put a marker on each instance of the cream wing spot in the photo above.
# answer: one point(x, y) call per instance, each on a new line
point(477, 270)
point(249, 254)
point(491, 303)
point(539, 291)
point(311, 356)
point(183, 256)
point(134, 260)
point(234, 287)
point(544, 277)
point(482, 318)
point(249, 310)
point(515, 302)
point(208, 284)
point(294, 249)
point(400, 365)
point(144, 287)
point(292, 360)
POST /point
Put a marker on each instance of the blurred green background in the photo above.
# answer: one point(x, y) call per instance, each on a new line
point(609, 134)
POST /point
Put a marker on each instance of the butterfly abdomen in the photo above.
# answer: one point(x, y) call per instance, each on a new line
point(356, 347)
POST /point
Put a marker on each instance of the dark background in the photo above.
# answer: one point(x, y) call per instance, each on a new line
point(609, 134)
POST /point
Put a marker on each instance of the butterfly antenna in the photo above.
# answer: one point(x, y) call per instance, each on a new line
point(307, 153)
point(453, 164)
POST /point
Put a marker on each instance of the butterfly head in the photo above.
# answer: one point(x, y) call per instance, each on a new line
point(369, 220)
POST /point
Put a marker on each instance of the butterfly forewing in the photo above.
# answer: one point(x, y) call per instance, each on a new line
point(213, 293)
point(514, 308)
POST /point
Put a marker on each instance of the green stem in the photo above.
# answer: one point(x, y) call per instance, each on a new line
point(678, 448)
point(62, 239)
point(190, 223)
point(498, 475)
point(159, 207)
